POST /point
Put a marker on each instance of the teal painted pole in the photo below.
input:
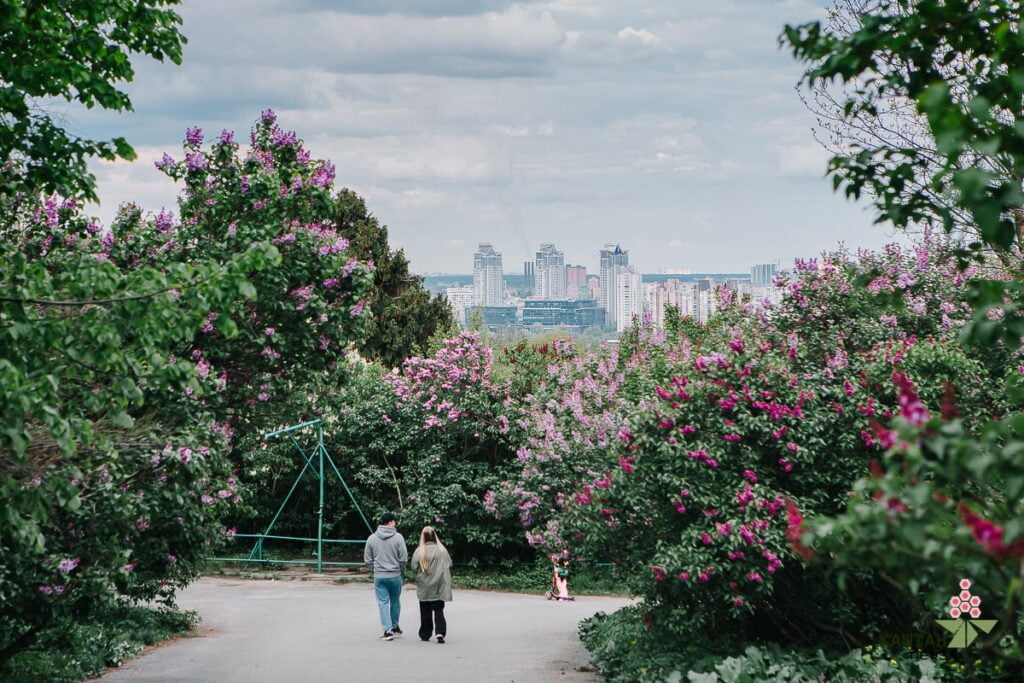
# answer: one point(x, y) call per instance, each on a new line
point(283, 504)
point(320, 525)
point(302, 453)
point(287, 430)
point(349, 492)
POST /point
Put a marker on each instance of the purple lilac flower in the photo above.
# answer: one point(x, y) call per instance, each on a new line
point(227, 137)
point(68, 564)
point(194, 136)
point(324, 175)
point(195, 161)
point(164, 221)
point(166, 162)
point(280, 138)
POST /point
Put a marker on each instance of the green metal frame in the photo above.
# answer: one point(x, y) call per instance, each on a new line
point(319, 455)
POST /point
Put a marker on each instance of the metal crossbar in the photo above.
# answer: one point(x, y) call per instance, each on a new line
point(314, 462)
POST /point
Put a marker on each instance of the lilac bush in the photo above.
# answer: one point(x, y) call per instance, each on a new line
point(135, 354)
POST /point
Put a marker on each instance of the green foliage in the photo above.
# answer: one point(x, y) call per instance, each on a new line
point(78, 52)
point(129, 357)
point(962, 64)
point(405, 317)
point(624, 647)
point(107, 454)
point(523, 577)
point(273, 348)
point(426, 476)
point(73, 651)
point(944, 505)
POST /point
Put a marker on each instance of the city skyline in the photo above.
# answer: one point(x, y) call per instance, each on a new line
point(566, 261)
point(553, 295)
point(674, 123)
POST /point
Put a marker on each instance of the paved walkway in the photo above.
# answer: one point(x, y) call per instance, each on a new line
point(313, 631)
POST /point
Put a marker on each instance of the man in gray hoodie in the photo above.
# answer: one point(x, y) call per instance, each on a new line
point(385, 555)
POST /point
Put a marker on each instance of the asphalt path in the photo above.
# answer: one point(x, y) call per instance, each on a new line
point(314, 631)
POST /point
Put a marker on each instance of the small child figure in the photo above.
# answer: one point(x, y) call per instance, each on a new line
point(560, 580)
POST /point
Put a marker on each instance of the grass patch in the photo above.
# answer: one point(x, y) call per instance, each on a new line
point(75, 651)
point(624, 650)
point(519, 577)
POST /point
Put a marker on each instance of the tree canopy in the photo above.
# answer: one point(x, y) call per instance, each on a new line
point(76, 51)
point(404, 314)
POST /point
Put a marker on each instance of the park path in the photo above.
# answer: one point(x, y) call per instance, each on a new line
point(298, 631)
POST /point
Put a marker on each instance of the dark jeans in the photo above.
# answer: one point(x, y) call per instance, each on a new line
point(432, 618)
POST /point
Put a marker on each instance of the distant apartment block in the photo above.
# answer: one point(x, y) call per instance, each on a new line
point(761, 295)
point(576, 282)
point(627, 296)
point(763, 273)
point(658, 296)
point(694, 299)
point(574, 316)
point(488, 277)
point(550, 273)
point(461, 300)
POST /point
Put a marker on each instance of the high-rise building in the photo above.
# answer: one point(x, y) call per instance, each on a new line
point(763, 273)
point(488, 278)
point(576, 282)
point(461, 300)
point(550, 273)
point(658, 296)
point(627, 296)
point(611, 256)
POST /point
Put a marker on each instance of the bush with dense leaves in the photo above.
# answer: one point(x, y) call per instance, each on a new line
point(130, 356)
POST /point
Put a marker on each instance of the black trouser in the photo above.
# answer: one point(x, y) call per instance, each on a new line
point(431, 618)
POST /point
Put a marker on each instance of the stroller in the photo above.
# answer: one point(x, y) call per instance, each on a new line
point(559, 590)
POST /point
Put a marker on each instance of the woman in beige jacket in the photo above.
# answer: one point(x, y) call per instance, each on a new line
point(433, 567)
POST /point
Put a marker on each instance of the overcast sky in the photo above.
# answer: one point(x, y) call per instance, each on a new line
point(670, 126)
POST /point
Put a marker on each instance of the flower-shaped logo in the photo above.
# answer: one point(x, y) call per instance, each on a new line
point(961, 606)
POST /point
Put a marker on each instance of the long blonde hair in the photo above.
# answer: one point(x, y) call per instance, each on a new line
point(428, 535)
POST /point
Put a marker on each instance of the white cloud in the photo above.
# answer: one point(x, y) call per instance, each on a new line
point(808, 160)
point(573, 121)
point(133, 181)
point(444, 158)
point(639, 38)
